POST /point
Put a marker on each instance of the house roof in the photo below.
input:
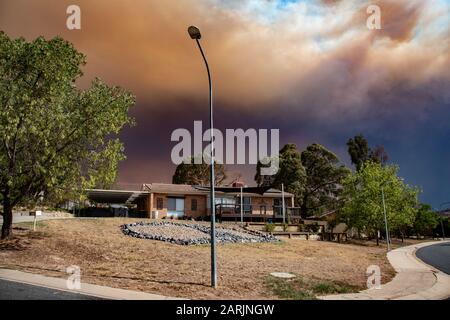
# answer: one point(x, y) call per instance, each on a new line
point(168, 188)
point(130, 196)
point(172, 188)
point(445, 213)
point(327, 214)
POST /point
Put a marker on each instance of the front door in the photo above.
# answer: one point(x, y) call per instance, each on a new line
point(277, 206)
point(247, 204)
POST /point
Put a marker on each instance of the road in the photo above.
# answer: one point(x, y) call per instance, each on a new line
point(10, 290)
point(437, 255)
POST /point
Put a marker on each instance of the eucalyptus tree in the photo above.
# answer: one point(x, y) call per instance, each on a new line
point(324, 176)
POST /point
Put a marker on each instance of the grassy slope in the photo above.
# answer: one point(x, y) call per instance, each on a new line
point(107, 257)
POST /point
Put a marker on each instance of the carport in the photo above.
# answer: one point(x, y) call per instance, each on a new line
point(115, 196)
point(117, 200)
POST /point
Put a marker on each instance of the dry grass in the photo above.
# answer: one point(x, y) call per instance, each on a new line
point(107, 257)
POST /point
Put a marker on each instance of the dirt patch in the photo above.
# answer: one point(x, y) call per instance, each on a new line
point(108, 257)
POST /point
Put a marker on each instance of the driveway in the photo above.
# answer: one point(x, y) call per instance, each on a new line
point(437, 255)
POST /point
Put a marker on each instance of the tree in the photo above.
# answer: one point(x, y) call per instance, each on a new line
point(324, 176)
point(198, 174)
point(55, 138)
point(425, 221)
point(358, 149)
point(291, 172)
point(379, 155)
point(363, 208)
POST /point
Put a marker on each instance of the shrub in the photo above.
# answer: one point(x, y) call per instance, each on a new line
point(313, 227)
point(269, 227)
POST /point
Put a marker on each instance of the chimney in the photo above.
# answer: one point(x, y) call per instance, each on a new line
point(238, 184)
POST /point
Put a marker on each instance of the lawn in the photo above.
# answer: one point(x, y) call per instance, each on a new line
point(107, 257)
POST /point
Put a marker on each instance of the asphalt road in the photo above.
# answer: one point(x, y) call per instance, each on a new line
point(19, 218)
point(437, 255)
point(10, 290)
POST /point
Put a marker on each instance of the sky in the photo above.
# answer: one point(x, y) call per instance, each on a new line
point(310, 68)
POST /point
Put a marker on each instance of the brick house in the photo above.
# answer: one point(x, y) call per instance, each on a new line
point(159, 200)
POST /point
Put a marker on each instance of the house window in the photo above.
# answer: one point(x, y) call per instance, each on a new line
point(194, 205)
point(262, 209)
point(159, 203)
point(226, 202)
point(175, 207)
point(278, 202)
point(247, 204)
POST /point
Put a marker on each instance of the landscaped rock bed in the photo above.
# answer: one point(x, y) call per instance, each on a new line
point(192, 233)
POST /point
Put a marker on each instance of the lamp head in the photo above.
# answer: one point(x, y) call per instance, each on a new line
point(194, 32)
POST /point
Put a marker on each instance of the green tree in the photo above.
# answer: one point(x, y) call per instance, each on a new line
point(359, 151)
point(55, 138)
point(324, 175)
point(198, 174)
point(363, 208)
point(425, 221)
point(291, 172)
point(379, 154)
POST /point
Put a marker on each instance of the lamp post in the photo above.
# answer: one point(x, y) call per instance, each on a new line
point(282, 205)
point(195, 34)
point(442, 223)
point(388, 238)
point(242, 208)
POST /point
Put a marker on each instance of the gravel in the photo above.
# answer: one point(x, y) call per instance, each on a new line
point(193, 234)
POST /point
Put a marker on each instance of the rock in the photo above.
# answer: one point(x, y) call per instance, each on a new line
point(283, 275)
point(193, 233)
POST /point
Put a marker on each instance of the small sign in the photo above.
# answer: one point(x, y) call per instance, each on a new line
point(36, 213)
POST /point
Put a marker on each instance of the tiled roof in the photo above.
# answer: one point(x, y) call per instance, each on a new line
point(171, 188)
point(189, 189)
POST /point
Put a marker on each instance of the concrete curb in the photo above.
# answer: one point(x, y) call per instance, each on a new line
point(86, 289)
point(415, 280)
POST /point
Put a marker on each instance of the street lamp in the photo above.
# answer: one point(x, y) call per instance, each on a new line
point(195, 34)
point(441, 218)
point(388, 238)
